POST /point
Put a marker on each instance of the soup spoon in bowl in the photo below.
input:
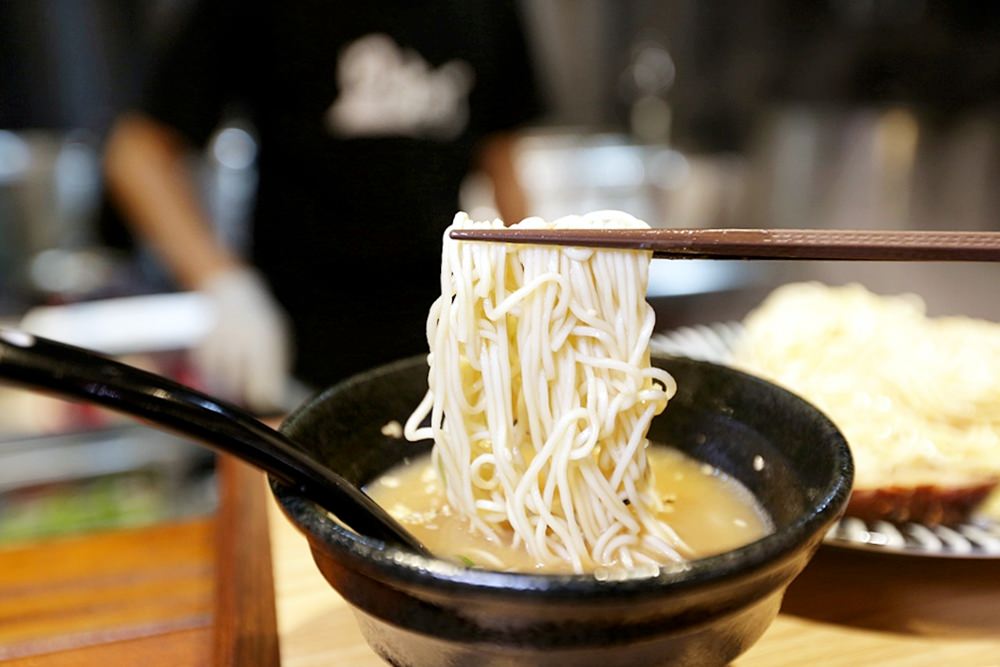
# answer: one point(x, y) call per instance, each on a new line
point(75, 373)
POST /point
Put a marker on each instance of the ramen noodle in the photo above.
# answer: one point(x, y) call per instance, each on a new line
point(917, 398)
point(540, 396)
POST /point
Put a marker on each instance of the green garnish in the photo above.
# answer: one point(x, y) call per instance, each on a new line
point(466, 561)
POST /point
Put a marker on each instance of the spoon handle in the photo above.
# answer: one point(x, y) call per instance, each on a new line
point(71, 372)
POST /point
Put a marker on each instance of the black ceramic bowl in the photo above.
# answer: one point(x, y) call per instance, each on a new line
point(419, 612)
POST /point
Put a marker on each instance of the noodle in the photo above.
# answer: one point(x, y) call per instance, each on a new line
point(918, 398)
point(541, 393)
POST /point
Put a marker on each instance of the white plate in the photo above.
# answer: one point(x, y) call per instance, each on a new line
point(980, 538)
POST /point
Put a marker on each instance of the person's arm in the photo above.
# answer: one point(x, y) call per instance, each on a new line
point(148, 178)
point(504, 100)
point(496, 157)
point(245, 355)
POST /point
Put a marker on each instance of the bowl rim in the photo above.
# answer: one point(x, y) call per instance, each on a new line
point(403, 566)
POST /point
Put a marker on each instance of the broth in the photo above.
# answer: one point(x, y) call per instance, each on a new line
point(710, 511)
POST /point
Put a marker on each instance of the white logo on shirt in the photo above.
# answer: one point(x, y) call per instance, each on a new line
point(388, 91)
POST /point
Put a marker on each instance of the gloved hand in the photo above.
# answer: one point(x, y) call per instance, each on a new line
point(246, 354)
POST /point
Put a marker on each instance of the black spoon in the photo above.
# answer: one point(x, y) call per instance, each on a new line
point(72, 372)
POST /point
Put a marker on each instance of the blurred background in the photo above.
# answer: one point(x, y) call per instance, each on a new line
point(685, 113)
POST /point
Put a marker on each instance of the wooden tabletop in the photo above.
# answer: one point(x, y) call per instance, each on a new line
point(191, 592)
point(847, 608)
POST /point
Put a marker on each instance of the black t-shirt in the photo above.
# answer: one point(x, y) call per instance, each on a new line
point(368, 114)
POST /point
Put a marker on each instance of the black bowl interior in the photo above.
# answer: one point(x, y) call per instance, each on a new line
point(731, 420)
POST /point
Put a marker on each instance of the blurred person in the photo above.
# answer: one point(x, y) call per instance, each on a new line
point(369, 115)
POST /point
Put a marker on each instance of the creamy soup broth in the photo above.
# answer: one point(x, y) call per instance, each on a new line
point(710, 511)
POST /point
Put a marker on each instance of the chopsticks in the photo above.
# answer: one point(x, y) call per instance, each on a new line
point(817, 244)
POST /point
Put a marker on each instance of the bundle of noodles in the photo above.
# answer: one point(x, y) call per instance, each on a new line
point(541, 393)
point(917, 398)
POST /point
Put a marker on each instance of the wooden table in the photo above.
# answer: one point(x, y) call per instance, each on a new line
point(193, 592)
point(846, 608)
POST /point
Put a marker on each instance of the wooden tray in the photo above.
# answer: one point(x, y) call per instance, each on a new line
point(195, 592)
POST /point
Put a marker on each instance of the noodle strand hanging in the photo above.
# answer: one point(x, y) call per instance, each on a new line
point(541, 394)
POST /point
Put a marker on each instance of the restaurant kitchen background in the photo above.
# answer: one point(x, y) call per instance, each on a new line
point(834, 113)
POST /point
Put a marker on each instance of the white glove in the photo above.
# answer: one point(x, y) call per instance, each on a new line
point(246, 354)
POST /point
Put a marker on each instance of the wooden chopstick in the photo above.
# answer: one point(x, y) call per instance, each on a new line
point(829, 244)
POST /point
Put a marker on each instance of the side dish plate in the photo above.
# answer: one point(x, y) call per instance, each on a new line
point(978, 538)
